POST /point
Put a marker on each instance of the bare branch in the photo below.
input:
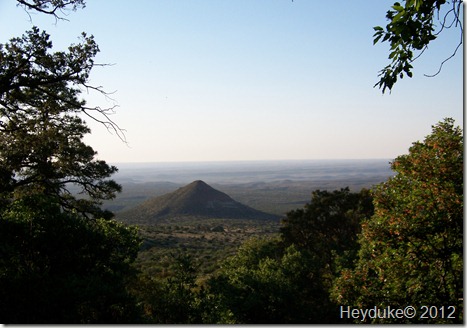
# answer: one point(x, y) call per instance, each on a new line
point(109, 124)
point(49, 7)
point(40, 73)
point(455, 10)
point(444, 61)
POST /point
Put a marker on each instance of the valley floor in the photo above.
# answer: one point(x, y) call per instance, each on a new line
point(206, 241)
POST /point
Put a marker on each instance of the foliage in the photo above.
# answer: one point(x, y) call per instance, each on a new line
point(177, 299)
point(196, 237)
point(170, 300)
point(58, 267)
point(410, 29)
point(412, 248)
point(260, 283)
point(41, 147)
point(329, 224)
point(325, 231)
point(62, 260)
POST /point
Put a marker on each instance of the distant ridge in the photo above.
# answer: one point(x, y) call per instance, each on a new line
point(196, 199)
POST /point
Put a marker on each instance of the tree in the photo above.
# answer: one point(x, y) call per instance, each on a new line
point(327, 228)
point(412, 248)
point(325, 232)
point(41, 147)
point(329, 224)
point(62, 258)
point(410, 30)
point(61, 268)
point(262, 284)
point(178, 299)
point(171, 300)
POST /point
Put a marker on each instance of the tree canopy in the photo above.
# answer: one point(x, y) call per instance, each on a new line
point(412, 248)
point(41, 147)
point(61, 268)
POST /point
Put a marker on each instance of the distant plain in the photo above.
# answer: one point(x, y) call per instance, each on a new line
point(271, 186)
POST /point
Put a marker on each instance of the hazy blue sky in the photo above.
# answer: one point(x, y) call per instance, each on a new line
point(252, 79)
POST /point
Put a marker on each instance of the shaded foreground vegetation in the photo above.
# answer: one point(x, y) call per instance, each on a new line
point(399, 244)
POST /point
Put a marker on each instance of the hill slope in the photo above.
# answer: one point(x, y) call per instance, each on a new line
point(196, 199)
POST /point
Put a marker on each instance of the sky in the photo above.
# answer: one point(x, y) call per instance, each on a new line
point(229, 80)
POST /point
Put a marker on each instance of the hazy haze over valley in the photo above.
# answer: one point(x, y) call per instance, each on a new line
point(271, 186)
point(236, 172)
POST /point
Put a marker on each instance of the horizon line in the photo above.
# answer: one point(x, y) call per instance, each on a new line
point(250, 161)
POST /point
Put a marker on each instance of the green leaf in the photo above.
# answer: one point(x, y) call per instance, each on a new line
point(397, 7)
point(377, 39)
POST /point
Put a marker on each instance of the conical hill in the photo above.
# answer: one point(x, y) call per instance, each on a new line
point(196, 199)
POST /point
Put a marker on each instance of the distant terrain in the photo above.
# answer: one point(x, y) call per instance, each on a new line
point(270, 186)
point(169, 201)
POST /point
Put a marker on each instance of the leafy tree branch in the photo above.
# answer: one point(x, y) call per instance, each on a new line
point(411, 28)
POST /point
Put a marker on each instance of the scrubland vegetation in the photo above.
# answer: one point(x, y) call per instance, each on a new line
point(205, 241)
